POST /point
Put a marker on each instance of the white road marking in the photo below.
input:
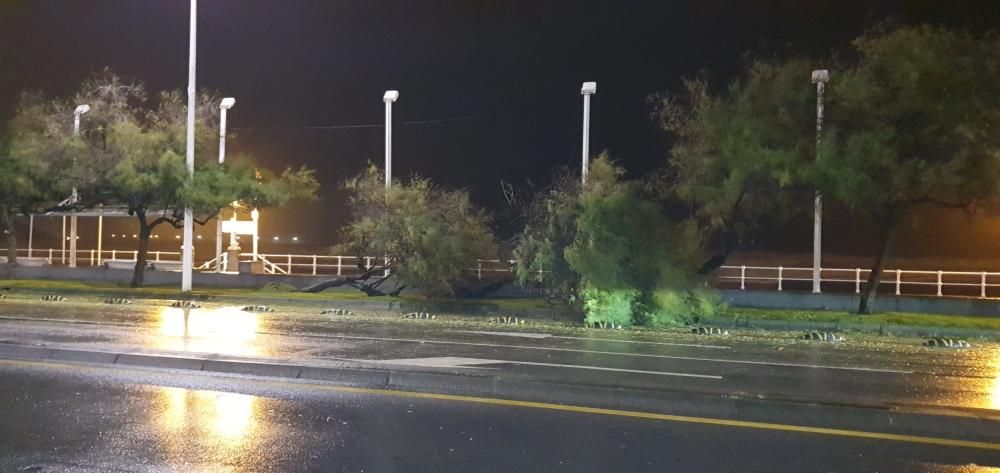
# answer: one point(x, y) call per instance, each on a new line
point(547, 335)
point(509, 334)
point(457, 362)
point(599, 352)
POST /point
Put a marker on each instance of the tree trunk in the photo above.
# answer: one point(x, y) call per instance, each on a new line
point(142, 255)
point(7, 222)
point(871, 287)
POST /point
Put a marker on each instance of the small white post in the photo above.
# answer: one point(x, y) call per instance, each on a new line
point(780, 271)
point(982, 285)
point(857, 280)
point(939, 283)
point(114, 254)
point(340, 263)
point(50, 255)
point(100, 232)
point(899, 274)
point(63, 256)
point(385, 267)
point(92, 257)
point(157, 256)
point(289, 264)
point(743, 277)
point(135, 255)
point(479, 270)
point(31, 232)
point(314, 265)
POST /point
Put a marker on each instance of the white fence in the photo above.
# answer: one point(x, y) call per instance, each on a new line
point(309, 265)
point(901, 281)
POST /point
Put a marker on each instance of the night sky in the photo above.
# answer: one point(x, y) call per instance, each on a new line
point(493, 85)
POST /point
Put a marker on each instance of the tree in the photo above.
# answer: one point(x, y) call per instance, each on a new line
point(737, 160)
point(431, 235)
point(912, 122)
point(34, 171)
point(133, 154)
point(550, 227)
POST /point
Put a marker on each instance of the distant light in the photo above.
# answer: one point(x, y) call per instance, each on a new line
point(589, 88)
point(390, 96)
point(275, 238)
point(177, 237)
point(112, 235)
point(295, 238)
point(135, 236)
point(228, 103)
point(199, 237)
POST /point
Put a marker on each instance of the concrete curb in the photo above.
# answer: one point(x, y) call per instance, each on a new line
point(965, 424)
point(882, 329)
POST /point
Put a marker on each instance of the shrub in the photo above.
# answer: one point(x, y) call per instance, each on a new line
point(611, 307)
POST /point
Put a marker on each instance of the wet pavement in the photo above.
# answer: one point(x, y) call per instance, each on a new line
point(864, 370)
point(62, 418)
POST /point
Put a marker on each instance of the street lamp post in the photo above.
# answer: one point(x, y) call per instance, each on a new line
point(588, 89)
point(187, 252)
point(224, 107)
point(80, 110)
point(820, 78)
point(389, 98)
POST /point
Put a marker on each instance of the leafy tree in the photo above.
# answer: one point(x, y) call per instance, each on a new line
point(913, 122)
point(625, 248)
point(550, 227)
point(132, 154)
point(737, 157)
point(430, 234)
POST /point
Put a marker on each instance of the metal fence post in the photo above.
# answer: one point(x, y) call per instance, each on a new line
point(780, 271)
point(135, 255)
point(479, 270)
point(898, 275)
point(857, 280)
point(289, 264)
point(157, 256)
point(314, 265)
point(50, 255)
point(340, 263)
point(92, 257)
point(982, 285)
point(939, 283)
point(743, 277)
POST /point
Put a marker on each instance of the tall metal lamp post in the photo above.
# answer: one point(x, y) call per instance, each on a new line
point(226, 104)
point(389, 98)
point(80, 110)
point(187, 251)
point(820, 78)
point(588, 89)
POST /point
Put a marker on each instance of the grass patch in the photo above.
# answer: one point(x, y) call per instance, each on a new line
point(889, 318)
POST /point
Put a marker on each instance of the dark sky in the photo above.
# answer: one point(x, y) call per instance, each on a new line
point(507, 72)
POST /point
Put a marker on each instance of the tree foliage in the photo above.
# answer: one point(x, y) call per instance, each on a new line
point(131, 152)
point(431, 235)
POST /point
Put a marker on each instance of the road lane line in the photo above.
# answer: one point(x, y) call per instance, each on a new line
point(565, 337)
point(599, 352)
point(458, 362)
point(564, 408)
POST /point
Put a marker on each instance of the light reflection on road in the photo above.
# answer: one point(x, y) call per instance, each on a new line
point(224, 420)
point(224, 330)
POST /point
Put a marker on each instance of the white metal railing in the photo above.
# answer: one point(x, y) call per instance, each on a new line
point(902, 281)
point(290, 264)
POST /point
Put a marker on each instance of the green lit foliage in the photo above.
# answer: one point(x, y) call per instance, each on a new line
point(625, 249)
point(431, 234)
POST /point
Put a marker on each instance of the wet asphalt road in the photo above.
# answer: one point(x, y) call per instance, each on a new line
point(865, 371)
point(63, 418)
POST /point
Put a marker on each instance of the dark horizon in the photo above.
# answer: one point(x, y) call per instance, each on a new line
point(493, 86)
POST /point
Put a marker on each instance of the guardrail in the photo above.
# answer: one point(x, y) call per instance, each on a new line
point(292, 264)
point(901, 281)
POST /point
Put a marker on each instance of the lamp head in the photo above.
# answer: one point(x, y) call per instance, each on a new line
point(227, 103)
point(390, 96)
point(589, 88)
point(81, 109)
point(820, 75)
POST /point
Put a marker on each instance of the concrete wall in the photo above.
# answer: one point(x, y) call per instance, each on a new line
point(849, 302)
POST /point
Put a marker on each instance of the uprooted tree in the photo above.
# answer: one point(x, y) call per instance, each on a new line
point(429, 235)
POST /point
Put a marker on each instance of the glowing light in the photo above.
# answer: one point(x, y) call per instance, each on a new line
point(295, 238)
point(226, 330)
point(226, 419)
point(275, 238)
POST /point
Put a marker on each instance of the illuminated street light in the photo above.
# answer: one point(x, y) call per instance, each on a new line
point(187, 248)
point(276, 238)
point(820, 78)
point(295, 238)
point(226, 104)
point(588, 89)
point(80, 110)
point(389, 98)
